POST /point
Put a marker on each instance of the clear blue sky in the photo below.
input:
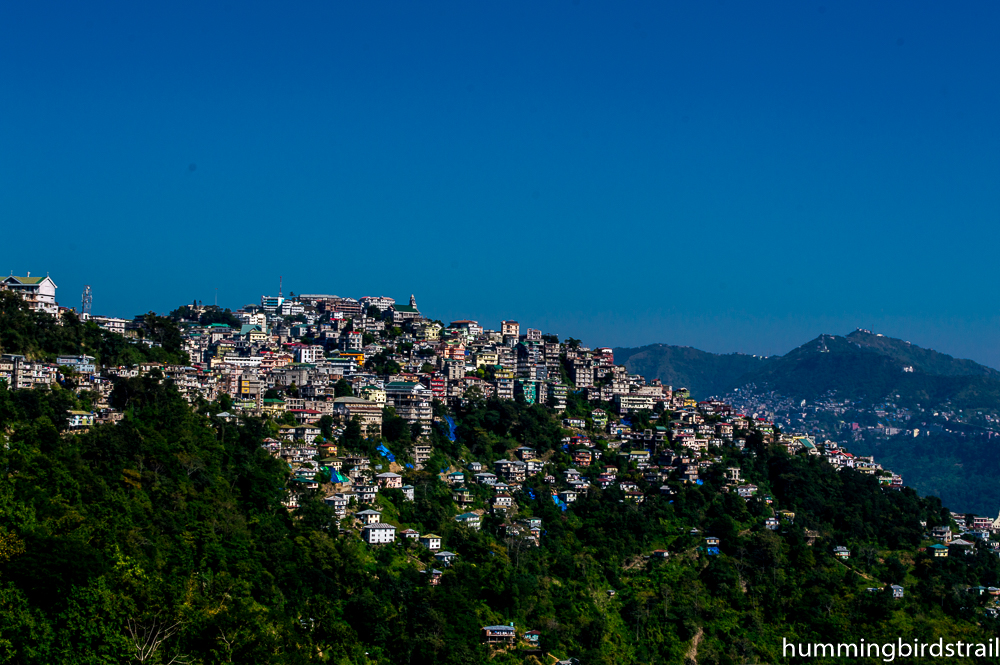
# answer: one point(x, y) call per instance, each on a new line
point(728, 175)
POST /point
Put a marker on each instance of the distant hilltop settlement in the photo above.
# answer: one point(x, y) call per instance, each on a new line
point(315, 364)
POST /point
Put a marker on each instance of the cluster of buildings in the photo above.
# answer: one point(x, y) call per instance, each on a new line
point(292, 358)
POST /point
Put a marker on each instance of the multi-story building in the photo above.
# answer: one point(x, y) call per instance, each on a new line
point(504, 384)
point(38, 292)
point(368, 412)
point(581, 372)
point(412, 402)
point(352, 341)
point(470, 329)
point(79, 364)
point(527, 389)
point(110, 323)
point(630, 403)
point(421, 453)
point(404, 313)
point(21, 373)
point(381, 303)
point(378, 534)
point(557, 393)
point(271, 303)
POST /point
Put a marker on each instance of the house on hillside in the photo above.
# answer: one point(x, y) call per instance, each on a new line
point(498, 634)
point(378, 533)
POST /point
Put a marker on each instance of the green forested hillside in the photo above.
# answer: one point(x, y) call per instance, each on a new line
point(41, 337)
point(169, 525)
point(703, 373)
point(926, 360)
point(864, 372)
point(963, 468)
point(860, 366)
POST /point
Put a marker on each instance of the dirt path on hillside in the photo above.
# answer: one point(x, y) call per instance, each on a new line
point(692, 653)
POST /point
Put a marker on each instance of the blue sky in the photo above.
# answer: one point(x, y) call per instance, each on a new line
point(730, 176)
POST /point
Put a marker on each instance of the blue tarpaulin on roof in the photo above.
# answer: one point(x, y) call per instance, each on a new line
point(699, 482)
point(409, 466)
point(385, 452)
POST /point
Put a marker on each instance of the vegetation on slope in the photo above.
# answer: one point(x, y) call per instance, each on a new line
point(704, 374)
point(860, 366)
point(962, 469)
point(171, 523)
point(41, 337)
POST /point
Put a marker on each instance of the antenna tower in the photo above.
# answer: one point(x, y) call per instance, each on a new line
point(279, 286)
point(87, 300)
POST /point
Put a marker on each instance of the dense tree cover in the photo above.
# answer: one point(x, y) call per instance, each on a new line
point(963, 469)
point(859, 366)
point(705, 373)
point(43, 337)
point(170, 523)
point(211, 314)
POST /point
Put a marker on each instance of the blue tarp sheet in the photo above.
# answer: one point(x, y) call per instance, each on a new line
point(451, 428)
point(335, 476)
point(562, 505)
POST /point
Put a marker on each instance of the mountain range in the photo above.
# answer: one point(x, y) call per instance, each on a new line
point(861, 366)
point(956, 456)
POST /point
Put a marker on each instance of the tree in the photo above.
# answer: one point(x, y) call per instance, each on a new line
point(343, 388)
point(394, 428)
point(352, 436)
point(215, 314)
point(326, 426)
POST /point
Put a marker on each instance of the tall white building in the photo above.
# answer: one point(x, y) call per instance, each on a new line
point(38, 292)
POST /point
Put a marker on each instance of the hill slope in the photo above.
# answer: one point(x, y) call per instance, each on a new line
point(170, 524)
point(869, 368)
point(860, 365)
point(926, 360)
point(703, 373)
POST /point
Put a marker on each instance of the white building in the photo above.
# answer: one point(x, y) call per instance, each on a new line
point(38, 292)
point(381, 303)
point(110, 323)
point(378, 533)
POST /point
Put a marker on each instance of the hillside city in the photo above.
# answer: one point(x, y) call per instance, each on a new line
point(846, 420)
point(355, 388)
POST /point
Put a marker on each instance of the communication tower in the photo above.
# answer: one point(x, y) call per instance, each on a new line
point(87, 301)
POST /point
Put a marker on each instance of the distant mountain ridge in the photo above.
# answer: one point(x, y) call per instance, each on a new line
point(860, 365)
point(703, 373)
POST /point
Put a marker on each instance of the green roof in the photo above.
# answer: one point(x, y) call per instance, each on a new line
point(270, 400)
point(406, 308)
point(27, 280)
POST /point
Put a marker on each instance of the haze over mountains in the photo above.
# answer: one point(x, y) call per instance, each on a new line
point(861, 365)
